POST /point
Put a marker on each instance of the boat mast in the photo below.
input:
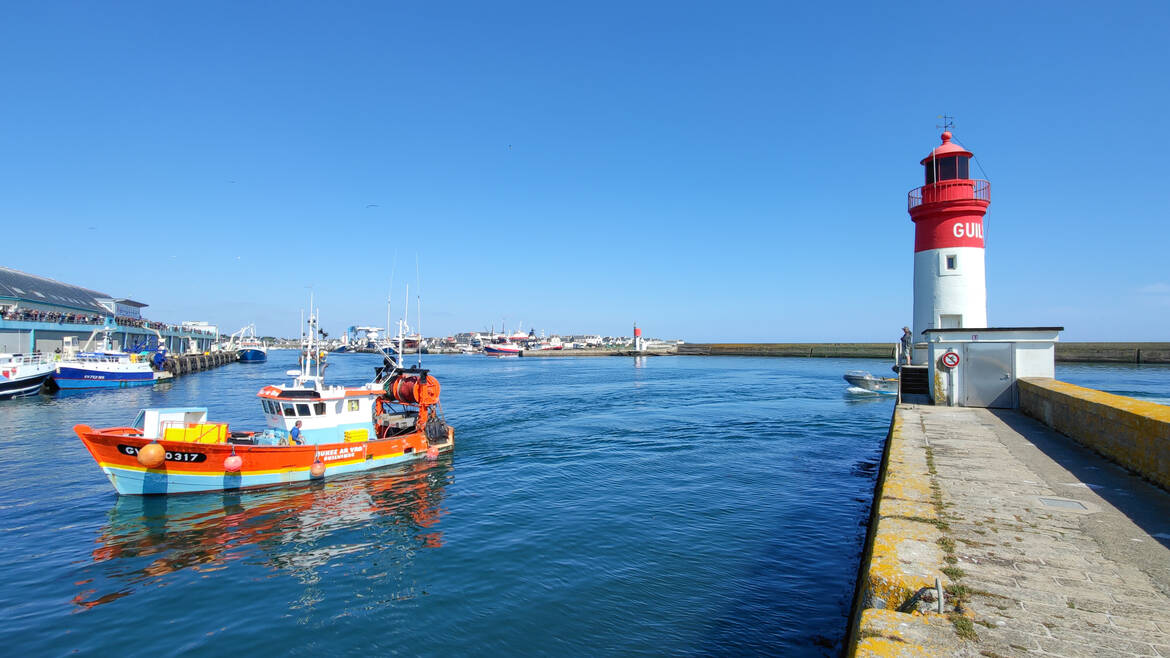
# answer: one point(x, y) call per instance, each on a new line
point(418, 307)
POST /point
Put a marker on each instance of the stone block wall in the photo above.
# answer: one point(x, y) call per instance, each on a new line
point(1133, 433)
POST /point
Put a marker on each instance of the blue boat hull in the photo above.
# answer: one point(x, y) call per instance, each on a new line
point(253, 356)
point(67, 378)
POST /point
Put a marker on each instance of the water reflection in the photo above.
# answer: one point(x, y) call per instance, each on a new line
point(146, 540)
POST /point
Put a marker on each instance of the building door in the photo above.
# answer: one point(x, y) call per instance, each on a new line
point(987, 376)
point(950, 321)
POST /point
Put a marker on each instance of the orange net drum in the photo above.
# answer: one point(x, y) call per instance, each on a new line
point(413, 389)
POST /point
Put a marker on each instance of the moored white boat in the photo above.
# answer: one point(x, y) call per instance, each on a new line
point(23, 374)
point(502, 349)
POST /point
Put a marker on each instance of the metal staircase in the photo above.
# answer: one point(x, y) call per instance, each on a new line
point(914, 380)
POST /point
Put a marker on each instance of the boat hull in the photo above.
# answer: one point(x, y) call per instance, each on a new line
point(253, 356)
point(24, 386)
point(501, 350)
point(866, 381)
point(199, 467)
point(70, 378)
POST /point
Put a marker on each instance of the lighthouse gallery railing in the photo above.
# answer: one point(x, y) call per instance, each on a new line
point(951, 190)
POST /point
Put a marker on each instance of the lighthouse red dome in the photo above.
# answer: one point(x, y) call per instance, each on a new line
point(947, 149)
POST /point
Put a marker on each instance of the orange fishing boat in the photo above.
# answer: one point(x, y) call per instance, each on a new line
point(312, 430)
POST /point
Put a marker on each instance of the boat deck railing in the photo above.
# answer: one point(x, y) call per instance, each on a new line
point(94, 357)
point(23, 359)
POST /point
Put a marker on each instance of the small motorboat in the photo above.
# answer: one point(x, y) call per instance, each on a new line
point(864, 380)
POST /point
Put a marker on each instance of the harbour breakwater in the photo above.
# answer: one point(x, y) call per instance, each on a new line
point(1073, 352)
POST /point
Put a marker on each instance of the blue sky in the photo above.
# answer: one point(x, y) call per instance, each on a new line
point(713, 171)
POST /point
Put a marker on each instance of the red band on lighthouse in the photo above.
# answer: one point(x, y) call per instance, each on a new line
point(932, 233)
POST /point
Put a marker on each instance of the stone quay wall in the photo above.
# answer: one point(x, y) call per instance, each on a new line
point(1133, 433)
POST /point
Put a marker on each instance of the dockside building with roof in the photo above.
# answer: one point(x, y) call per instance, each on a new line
point(37, 313)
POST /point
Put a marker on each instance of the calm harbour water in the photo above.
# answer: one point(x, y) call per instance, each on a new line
point(592, 506)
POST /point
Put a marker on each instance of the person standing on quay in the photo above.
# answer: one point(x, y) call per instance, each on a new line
point(907, 345)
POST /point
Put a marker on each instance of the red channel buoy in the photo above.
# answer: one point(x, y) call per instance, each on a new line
point(317, 470)
point(152, 455)
point(233, 463)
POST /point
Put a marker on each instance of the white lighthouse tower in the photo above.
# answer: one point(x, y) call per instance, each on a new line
point(950, 287)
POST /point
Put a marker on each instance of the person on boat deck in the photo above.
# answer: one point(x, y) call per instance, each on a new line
point(296, 434)
point(907, 345)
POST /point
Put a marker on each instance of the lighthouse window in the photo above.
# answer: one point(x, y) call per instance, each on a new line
point(952, 262)
point(940, 169)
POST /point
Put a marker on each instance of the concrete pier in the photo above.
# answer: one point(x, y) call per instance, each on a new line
point(1041, 544)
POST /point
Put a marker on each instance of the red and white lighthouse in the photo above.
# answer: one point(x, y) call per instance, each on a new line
point(950, 286)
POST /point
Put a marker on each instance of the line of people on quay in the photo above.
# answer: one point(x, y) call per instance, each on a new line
point(36, 315)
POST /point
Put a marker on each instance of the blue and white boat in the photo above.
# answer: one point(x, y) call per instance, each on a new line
point(254, 351)
point(103, 367)
point(250, 348)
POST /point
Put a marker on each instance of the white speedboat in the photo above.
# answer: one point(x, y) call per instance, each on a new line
point(864, 380)
point(23, 374)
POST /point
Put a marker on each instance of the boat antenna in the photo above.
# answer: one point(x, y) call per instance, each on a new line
point(418, 307)
point(403, 325)
point(389, 305)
